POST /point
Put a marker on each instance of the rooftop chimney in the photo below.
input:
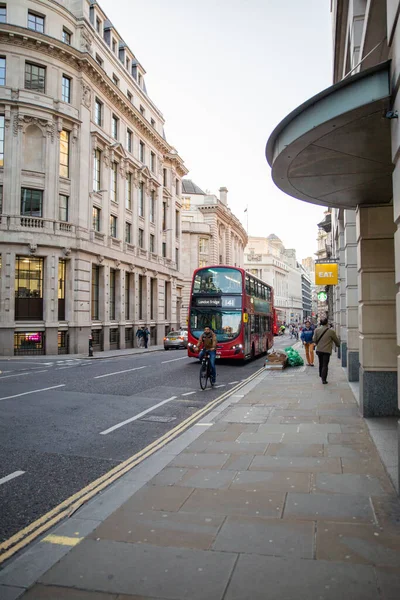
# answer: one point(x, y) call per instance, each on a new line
point(223, 195)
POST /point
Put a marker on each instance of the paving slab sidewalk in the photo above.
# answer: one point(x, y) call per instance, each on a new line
point(282, 497)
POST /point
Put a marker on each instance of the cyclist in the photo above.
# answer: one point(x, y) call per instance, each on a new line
point(208, 342)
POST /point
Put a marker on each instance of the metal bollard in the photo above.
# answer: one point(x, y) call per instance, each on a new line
point(90, 346)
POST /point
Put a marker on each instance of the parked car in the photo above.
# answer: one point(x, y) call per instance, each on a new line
point(176, 339)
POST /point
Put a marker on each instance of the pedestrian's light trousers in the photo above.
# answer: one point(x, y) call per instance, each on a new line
point(309, 353)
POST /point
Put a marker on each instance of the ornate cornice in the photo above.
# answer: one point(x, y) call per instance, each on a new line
point(83, 62)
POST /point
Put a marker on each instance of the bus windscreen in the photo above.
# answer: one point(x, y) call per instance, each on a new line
point(218, 281)
point(225, 324)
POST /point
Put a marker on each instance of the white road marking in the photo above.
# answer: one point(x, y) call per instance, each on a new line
point(188, 393)
point(15, 375)
point(11, 476)
point(118, 372)
point(220, 385)
point(203, 424)
point(136, 417)
point(34, 391)
point(232, 382)
point(60, 368)
point(173, 360)
point(44, 371)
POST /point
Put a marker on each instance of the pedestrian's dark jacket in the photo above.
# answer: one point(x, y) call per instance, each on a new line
point(307, 335)
point(140, 333)
point(146, 333)
point(326, 339)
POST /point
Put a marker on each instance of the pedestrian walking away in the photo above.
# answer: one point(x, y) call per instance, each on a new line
point(146, 335)
point(307, 339)
point(324, 338)
point(140, 337)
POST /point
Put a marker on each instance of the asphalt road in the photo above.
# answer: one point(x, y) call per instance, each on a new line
point(56, 416)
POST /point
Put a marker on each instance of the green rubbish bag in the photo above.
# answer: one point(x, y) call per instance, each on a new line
point(294, 358)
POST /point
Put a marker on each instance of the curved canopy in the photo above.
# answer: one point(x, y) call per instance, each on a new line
point(334, 150)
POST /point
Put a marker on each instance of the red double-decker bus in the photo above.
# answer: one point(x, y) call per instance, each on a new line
point(237, 306)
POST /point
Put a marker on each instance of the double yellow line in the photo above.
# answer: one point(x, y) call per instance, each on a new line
point(73, 503)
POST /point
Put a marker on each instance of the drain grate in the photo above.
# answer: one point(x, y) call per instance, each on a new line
point(156, 419)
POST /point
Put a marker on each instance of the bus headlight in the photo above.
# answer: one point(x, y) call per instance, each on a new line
point(237, 348)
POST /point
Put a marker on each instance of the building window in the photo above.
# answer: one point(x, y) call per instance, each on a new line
point(186, 203)
point(177, 257)
point(165, 177)
point(152, 207)
point(3, 13)
point(64, 154)
point(95, 292)
point(153, 123)
point(96, 170)
point(141, 152)
point(153, 162)
point(152, 245)
point(113, 226)
point(96, 218)
point(203, 245)
point(115, 80)
point(99, 60)
point(127, 296)
point(62, 268)
point(63, 208)
point(128, 192)
point(140, 80)
point(98, 112)
point(130, 97)
point(129, 137)
point(153, 292)
point(142, 110)
point(66, 37)
point(141, 238)
point(202, 263)
point(66, 89)
point(1, 210)
point(127, 63)
point(35, 77)
point(31, 202)
point(112, 294)
point(128, 233)
point(2, 71)
point(28, 288)
point(141, 200)
point(35, 22)
point(114, 46)
point(114, 127)
point(98, 25)
point(164, 216)
point(166, 299)
point(1, 140)
point(164, 249)
point(114, 182)
point(177, 187)
point(177, 223)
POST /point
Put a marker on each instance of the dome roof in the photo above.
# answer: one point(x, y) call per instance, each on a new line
point(274, 238)
point(188, 187)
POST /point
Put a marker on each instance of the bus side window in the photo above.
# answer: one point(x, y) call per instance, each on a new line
point(247, 284)
point(252, 323)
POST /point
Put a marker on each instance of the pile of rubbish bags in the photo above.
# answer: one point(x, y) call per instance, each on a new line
point(293, 358)
point(276, 359)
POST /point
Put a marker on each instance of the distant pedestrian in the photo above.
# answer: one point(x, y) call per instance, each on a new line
point(324, 337)
point(146, 335)
point(307, 339)
point(140, 337)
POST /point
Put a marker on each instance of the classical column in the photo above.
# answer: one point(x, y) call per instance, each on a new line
point(351, 299)
point(377, 311)
point(7, 302)
point(50, 302)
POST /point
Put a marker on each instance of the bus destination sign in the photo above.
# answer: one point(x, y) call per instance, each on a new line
point(219, 301)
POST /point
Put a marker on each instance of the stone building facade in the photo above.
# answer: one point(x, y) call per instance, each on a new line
point(341, 149)
point(90, 226)
point(268, 259)
point(211, 234)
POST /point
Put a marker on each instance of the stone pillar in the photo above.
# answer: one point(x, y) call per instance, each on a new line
point(350, 261)
point(104, 304)
point(7, 303)
point(50, 303)
point(377, 311)
point(341, 323)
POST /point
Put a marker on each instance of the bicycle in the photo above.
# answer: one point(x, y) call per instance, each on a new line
point(205, 371)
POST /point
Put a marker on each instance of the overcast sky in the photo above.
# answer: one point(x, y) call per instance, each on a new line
point(224, 73)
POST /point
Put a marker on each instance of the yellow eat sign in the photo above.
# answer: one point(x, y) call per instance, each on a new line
point(326, 274)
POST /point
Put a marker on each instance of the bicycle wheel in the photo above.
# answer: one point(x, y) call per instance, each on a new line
point(203, 376)
point(210, 376)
